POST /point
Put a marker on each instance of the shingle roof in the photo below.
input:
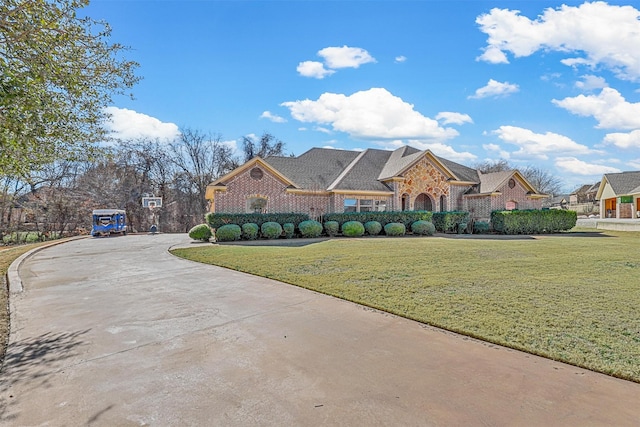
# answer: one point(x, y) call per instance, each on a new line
point(314, 169)
point(624, 183)
point(330, 169)
point(490, 182)
point(363, 174)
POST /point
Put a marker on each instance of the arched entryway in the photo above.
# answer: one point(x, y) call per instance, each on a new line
point(423, 203)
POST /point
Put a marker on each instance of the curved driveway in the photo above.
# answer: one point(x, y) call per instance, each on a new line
point(118, 332)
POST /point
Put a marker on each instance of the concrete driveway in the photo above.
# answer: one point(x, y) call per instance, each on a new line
point(117, 332)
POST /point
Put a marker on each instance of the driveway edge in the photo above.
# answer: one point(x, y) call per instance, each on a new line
point(14, 282)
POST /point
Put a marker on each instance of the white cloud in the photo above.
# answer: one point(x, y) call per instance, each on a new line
point(400, 59)
point(605, 34)
point(609, 108)
point(624, 140)
point(443, 150)
point(537, 145)
point(590, 82)
point(273, 117)
point(495, 89)
point(345, 57)
point(635, 163)
point(334, 58)
point(497, 149)
point(128, 124)
point(579, 167)
point(448, 117)
point(369, 114)
point(313, 69)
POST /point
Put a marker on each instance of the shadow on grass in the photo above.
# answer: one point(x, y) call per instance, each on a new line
point(32, 362)
point(276, 242)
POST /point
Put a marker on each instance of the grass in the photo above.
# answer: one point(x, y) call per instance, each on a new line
point(7, 256)
point(571, 297)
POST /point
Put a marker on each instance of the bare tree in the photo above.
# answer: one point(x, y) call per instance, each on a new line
point(199, 158)
point(266, 146)
point(542, 180)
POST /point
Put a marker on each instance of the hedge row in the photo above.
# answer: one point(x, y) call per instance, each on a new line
point(450, 222)
point(311, 228)
point(384, 218)
point(533, 221)
point(217, 220)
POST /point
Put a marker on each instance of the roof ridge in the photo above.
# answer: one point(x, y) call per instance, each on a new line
point(346, 170)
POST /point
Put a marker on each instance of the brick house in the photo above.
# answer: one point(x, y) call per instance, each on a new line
point(327, 180)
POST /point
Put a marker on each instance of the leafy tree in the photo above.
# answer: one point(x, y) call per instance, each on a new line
point(57, 73)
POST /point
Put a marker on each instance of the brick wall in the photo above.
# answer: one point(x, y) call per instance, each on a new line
point(243, 187)
point(482, 206)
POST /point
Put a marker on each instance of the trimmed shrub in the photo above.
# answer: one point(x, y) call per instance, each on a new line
point(449, 222)
point(228, 233)
point(533, 221)
point(250, 231)
point(217, 220)
point(373, 228)
point(200, 232)
point(353, 229)
point(481, 227)
point(310, 228)
point(384, 218)
point(271, 230)
point(289, 230)
point(395, 229)
point(332, 228)
point(423, 228)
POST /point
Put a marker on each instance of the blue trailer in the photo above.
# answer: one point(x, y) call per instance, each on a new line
point(109, 221)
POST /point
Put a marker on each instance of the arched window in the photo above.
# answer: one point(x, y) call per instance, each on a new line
point(423, 203)
point(443, 203)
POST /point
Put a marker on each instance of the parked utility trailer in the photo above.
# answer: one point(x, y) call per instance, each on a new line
point(109, 221)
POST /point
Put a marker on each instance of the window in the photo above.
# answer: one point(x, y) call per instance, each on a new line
point(350, 205)
point(256, 205)
point(366, 205)
point(256, 173)
point(511, 205)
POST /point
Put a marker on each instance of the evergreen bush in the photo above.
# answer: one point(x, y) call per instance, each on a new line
point(449, 222)
point(271, 230)
point(481, 227)
point(332, 228)
point(310, 228)
point(289, 230)
point(352, 229)
point(533, 221)
point(373, 228)
point(200, 232)
point(395, 229)
point(217, 220)
point(250, 231)
point(228, 233)
point(384, 218)
point(423, 228)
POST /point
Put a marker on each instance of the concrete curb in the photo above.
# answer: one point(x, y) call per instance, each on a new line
point(14, 282)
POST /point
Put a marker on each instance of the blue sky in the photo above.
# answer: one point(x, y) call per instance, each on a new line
point(544, 83)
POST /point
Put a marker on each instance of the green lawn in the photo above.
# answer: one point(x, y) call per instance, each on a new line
point(573, 297)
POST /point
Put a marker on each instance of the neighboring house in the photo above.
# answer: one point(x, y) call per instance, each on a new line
point(619, 195)
point(327, 180)
point(584, 194)
point(560, 201)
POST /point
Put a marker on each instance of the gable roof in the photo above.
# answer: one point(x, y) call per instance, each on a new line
point(315, 169)
point(368, 170)
point(622, 184)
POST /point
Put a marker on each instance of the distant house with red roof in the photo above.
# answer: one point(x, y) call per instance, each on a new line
point(324, 180)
